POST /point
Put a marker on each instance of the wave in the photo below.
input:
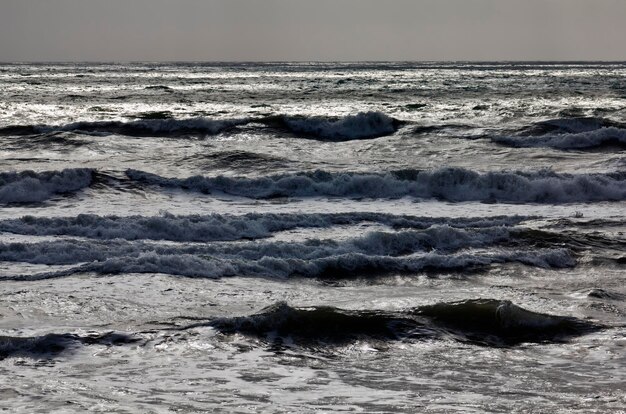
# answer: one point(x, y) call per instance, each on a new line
point(377, 253)
point(363, 125)
point(569, 133)
point(436, 238)
point(159, 87)
point(138, 128)
point(484, 321)
point(604, 137)
point(33, 187)
point(223, 227)
point(451, 184)
point(570, 126)
point(52, 344)
point(603, 294)
point(478, 320)
point(576, 241)
point(342, 266)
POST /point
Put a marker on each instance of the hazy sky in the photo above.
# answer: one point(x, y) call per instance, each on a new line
point(199, 30)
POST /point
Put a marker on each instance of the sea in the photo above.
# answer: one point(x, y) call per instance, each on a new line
point(368, 237)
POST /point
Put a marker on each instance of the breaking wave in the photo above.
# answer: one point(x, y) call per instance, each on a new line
point(483, 321)
point(451, 184)
point(376, 253)
point(218, 227)
point(341, 266)
point(439, 238)
point(33, 187)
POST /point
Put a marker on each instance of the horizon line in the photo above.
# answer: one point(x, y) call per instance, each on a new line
point(304, 61)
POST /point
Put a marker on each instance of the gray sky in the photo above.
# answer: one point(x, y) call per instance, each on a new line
point(205, 30)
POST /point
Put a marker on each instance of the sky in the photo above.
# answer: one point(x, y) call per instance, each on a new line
point(304, 30)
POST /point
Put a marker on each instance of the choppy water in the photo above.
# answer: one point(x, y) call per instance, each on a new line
point(364, 237)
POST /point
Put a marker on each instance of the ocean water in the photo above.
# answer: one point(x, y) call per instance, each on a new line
point(308, 237)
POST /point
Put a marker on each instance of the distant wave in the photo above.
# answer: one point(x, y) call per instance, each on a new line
point(569, 134)
point(32, 187)
point(216, 227)
point(452, 184)
point(482, 321)
point(360, 126)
